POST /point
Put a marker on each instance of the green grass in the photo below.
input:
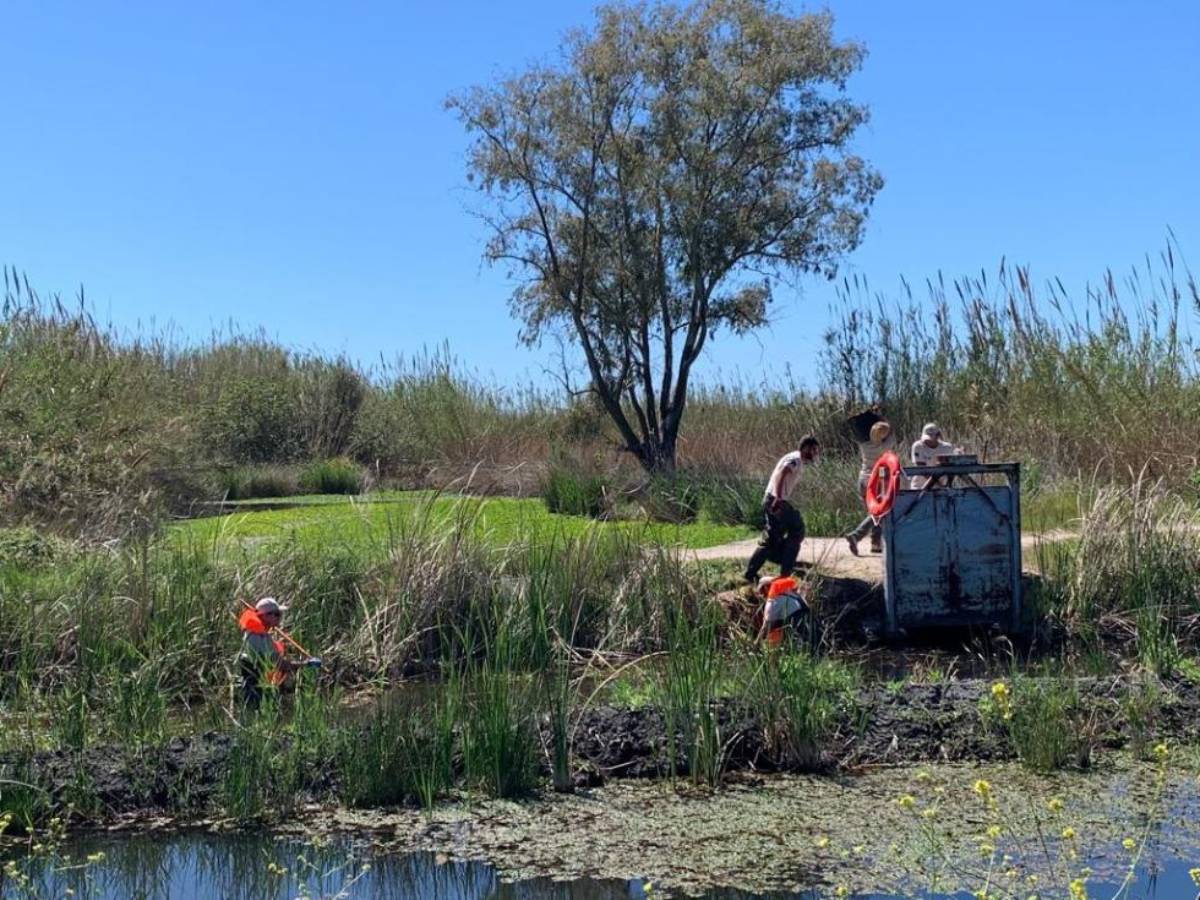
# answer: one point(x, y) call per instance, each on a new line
point(331, 520)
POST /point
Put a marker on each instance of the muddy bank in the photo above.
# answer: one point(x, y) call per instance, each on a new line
point(881, 725)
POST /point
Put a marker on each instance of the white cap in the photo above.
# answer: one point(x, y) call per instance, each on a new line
point(931, 430)
point(764, 583)
point(269, 605)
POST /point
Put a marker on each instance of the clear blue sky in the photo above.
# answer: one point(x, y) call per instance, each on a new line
point(290, 165)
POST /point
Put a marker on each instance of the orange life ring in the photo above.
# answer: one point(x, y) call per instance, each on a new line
point(879, 504)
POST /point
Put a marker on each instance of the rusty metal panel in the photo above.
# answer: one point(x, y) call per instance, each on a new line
point(953, 557)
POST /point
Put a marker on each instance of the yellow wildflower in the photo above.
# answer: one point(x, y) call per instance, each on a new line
point(1129, 844)
point(908, 801)
point(1078, 889)
point(1195, 873)
point(1161, 752)
point(993, 831)
point(822, 841)
point(929, 812)
point(982, 788)
point(841, 891)
point(1055, 804)
point(1068, 833)
point(924, 777)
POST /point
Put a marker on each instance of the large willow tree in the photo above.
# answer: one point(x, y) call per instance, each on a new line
point(648, 188)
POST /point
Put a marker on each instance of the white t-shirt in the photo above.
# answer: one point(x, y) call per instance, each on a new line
point(924, 455)
point(783, 479)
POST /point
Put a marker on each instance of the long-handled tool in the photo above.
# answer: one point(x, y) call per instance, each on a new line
point(312, 660)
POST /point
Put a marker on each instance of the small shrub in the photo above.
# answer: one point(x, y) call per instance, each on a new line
point(257, 483)
point(332, 476)
point(572, 493)
point(1141, 705)
point(672, 498)
point(28, 548)
point(1044, 721)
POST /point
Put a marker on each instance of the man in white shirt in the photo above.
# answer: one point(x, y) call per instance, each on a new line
point(784, 531)
point(926, 451)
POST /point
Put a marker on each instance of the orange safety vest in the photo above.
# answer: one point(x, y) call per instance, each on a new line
point(777, 588)
point(250, 621)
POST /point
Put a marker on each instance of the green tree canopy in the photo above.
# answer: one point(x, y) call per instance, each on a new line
point(649, 187)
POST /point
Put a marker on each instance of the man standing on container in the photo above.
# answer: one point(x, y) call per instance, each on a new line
point(925, 452)
point(784, 531)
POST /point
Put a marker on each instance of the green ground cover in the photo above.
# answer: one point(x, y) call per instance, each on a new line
point(339, 520)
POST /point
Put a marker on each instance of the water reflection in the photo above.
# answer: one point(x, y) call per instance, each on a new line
point(248, 866)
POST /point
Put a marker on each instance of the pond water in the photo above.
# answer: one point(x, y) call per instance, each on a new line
point(187, 865)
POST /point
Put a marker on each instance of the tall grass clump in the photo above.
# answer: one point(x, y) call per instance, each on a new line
point(404, 752)
point(1135, 564)
point(331, 476)
point(796, 698)
point(573, 493)
point(256, 482)
point(688, 688)
point(1044, 720)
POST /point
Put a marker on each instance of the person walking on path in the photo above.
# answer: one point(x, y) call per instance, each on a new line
point(784, 529)
point(927, 449)
point(879, 442)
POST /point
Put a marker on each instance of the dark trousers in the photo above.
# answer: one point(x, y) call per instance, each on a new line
point(251, 675)
point(780, 541)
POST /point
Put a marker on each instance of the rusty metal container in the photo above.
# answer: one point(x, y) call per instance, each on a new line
point(952, 551)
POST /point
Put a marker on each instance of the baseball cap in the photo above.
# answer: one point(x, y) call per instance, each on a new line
point(269, 605)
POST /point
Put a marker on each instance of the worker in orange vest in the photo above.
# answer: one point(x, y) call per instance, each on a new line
point(784, 610)
point(263, 660)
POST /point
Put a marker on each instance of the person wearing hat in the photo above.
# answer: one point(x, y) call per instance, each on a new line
point(925, 452)
point(784, 609)
point(262, 661)
point(879, 441)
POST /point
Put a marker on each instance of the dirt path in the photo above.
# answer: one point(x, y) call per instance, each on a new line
point(832, 556)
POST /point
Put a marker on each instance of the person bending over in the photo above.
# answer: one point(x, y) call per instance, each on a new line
point(784, 610)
